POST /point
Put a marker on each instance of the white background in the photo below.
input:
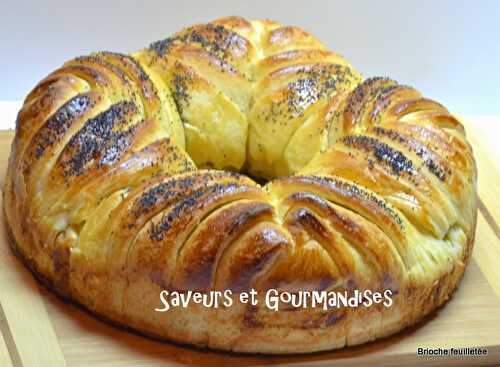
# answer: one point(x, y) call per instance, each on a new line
point(450, 50)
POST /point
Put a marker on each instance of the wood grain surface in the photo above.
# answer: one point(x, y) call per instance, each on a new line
point(38, 329)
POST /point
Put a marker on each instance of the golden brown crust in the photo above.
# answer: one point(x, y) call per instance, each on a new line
point(121, 184)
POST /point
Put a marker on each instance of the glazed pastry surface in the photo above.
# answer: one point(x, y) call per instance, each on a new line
point(236, 155)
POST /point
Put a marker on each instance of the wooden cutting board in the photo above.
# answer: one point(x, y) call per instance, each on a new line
point(38, 329)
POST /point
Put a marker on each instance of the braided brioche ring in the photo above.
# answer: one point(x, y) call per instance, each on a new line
point(123, 182)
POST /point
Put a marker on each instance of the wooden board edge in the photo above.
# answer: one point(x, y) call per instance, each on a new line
point(29, 337)
point(7, 354)
point(488, 172)
point(486, 254)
